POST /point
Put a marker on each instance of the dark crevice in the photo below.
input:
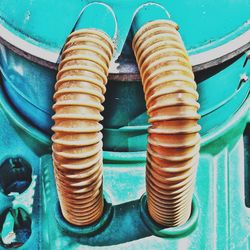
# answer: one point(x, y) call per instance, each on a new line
point(15, 228)
point(15, 175)
point(247, 164)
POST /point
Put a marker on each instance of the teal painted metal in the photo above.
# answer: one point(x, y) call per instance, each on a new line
point(13, 145)
point(220, 96)
point(219, 193)
point(34, 98)
point(30, 86)
point(220, 182)
point(37, 141)
point(106, 20)
point(133, 138)
point(48, 28)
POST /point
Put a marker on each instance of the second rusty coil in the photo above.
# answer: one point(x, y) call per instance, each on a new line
point(77, 139)
point(173, 140)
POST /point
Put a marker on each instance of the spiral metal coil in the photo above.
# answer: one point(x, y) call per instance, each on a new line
point(173, 140)
point(77, 139)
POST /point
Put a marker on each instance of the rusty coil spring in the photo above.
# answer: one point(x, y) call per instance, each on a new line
point(173, 140)
point(77, 140)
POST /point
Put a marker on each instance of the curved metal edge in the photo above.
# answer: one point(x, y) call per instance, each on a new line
point(240, 115)
point(116, 156)
point(93, 229)
point(221, 53)
point(29, 51)
point(85, 20)
point(171, 232)
point(130, 72)
point(200, 61)
point(20, 122)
